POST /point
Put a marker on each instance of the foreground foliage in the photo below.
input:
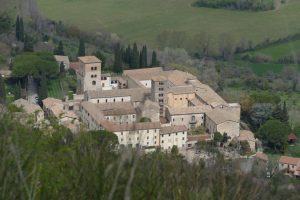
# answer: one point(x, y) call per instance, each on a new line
point(35, 165)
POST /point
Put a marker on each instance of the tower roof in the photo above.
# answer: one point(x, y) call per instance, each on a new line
point(89, 59)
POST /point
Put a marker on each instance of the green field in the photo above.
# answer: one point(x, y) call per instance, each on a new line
point(54, 89)
point(143, 20)
point(279, 50)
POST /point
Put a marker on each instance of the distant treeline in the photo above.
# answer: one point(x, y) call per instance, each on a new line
point(254, 5)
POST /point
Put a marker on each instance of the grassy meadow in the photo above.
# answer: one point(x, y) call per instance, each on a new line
point(143, 20)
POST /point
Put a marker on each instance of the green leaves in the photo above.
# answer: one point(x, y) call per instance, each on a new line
point(35, 64)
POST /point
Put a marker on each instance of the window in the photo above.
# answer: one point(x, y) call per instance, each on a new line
point(161, 83)
point(95, 68)
point(160, 95)
point(93, 82)
point(129, 139)
point(181, 99)
point(193, 118)
point(122, 99)
point(121, 140)
point(169, 134)
point(183, 138)
point(133, 116)
point(182, 119)
point(147, 131)
point(137, 138)
point(147, 143)
point(147, 138)
point(176, 133)
point(154, 137)
point(161, 101)
point(155, 142)
point(98, 101)
point(103, 84)
point(114, 100)
point(162, 141)
point(106, 100)
point(121, 133)
point(161, 89)
point(173, 119)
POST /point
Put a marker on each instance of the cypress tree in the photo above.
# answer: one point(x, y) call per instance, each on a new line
point(2, 91)
point(28, 44)
point(154, 62)
point(277, 112)
point(144, 57)
point(128, 55)
point(43, 88)
point(141, 59)
point(21, 33)
point(285, 114)
point(60, 49)
point(18, 28)
point(17, 89)
point(101, 57)
point(81, 50)
point(117, 68)
point(62, 69)
point(135, 57)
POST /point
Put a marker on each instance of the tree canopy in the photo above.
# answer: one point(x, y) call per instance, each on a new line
point(34, 64)
point(274, 135)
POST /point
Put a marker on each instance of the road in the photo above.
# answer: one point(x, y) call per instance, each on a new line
point(32, 90)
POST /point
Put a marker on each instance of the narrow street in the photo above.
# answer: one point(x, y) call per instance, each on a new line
point(32, 90)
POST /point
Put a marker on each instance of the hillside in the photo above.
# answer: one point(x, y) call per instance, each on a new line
point(143, 20)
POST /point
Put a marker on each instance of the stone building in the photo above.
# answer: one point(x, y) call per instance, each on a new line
point(89, 74)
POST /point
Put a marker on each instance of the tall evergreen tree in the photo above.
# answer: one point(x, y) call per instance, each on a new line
point(117, 68)
point(18, 28)
point(60, 49)
point(154, 62)
point(17, 90)
point(81, 50)
point(277, 112)
point(140, 59)
point(101, 57)
point(128, 53)
point(2, 91)
point(28, 44)
point(22, 33)
point(62, 69)
point(43, 88)
point(285, 114)
point(143, 61)
point(135, 57)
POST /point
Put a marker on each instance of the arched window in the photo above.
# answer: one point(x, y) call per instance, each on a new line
point(94, 82)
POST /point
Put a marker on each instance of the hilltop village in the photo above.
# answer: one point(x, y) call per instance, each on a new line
point(146, 108)
point(149, 109)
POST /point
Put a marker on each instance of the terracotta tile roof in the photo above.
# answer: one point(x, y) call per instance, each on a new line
point(173, 129)
point(113, 109)
point(27, 106)
point(220, 116)
point(262, 156)
point(187, 89)
point(289, 160)
point(137, 94)
point(143, 74)
point(198, 138)
point(49, 102)
point(292, 136)
point(189, 110)
point(75, 65)
point(246, 135)
point(89, 59)
point(207, 94)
